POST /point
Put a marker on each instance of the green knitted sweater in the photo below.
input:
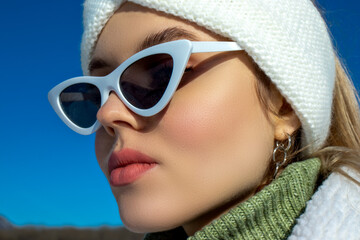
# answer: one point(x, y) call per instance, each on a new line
point(269, 214)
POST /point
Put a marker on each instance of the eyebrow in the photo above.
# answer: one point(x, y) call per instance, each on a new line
point(166, 35)
point(97, 63)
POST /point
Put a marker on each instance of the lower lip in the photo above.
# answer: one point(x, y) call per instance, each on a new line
point(125, 175)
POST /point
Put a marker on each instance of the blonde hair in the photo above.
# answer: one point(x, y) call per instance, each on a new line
point(342, 146)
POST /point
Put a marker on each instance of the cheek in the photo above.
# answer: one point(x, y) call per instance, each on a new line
point(211, 111)
point(216, 128)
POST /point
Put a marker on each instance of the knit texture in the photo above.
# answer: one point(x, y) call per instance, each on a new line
point(288, 39)
point(270, 214)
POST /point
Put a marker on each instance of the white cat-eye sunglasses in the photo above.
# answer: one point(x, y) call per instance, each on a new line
point(145, 83)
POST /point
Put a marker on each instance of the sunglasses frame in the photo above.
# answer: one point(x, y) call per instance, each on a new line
point(179, 50)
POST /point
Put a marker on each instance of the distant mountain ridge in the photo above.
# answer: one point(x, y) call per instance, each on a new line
point(5, 224)
point(8, 231)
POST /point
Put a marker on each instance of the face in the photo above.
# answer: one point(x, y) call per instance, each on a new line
point(210, 146)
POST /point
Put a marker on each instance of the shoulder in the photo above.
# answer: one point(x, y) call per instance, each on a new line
point(333, 212)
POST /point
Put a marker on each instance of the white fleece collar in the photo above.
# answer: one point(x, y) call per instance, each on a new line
point(333, 213)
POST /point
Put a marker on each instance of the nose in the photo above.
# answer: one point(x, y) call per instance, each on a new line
point(114, 114)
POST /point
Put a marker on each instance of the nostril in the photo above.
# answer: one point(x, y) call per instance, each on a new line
point(110, 131)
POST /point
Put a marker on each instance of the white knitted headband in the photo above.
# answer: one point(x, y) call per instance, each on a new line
point(288, 39)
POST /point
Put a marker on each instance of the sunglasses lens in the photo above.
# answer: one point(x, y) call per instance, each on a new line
point(144, 82)
point(81, 102)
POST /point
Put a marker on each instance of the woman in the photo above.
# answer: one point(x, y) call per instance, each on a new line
point(218, 119)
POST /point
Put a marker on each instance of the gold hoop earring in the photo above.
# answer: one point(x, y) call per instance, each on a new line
point(280, 147)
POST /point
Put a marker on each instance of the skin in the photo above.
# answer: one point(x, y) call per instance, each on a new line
point(213, 142)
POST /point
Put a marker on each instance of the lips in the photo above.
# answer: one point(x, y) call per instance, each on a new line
point(128, 165)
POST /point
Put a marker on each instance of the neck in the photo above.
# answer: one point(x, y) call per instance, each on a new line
point(203, 220)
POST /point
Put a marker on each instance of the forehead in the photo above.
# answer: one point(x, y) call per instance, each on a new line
point(132, 24)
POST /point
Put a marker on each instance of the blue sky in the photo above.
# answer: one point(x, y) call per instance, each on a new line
point(49, 174)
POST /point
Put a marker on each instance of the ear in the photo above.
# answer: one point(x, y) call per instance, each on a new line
point(285, 121)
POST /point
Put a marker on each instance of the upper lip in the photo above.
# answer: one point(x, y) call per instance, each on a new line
point(126, 157)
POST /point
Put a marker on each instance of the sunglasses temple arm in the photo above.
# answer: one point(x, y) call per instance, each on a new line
point(199, 47)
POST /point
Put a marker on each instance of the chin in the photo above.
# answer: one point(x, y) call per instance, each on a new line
point(143, 218)
point(147, 225)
